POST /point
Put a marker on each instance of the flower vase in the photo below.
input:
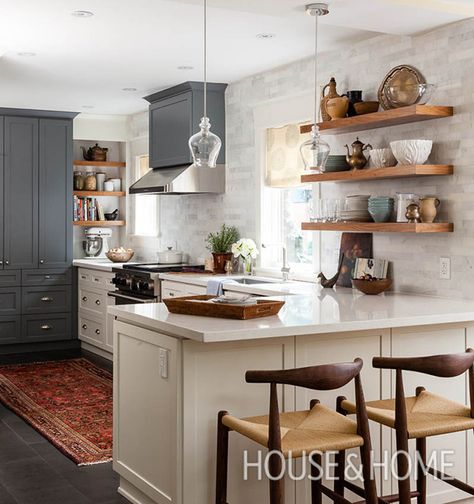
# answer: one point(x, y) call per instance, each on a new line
point(248, 266)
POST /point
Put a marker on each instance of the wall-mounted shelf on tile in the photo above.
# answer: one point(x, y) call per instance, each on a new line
point(99, 223)
point(382, 119)
point(100, 164)
point(94, 194)
point(379, 227)
point(400, 171)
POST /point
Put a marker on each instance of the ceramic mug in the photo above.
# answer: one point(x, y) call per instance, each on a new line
point(108, 186)
point(429, 208)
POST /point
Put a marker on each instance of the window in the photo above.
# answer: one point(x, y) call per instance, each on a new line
point(145, 205)
point(286, 204)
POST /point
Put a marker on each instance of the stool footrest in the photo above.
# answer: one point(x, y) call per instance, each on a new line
point(451, 481)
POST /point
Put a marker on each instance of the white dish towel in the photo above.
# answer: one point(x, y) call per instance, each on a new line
point(215, 287)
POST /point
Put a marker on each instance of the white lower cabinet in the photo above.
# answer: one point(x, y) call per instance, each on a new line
point(177, 289)
point(95, 325)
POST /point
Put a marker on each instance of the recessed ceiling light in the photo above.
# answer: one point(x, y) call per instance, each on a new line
point(88, 106)
point(26, 54)
point(82, 13)
point(129, 89)
point(266, 35)
point(185, 67)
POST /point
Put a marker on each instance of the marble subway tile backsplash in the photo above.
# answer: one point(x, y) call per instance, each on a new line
point(446, 58)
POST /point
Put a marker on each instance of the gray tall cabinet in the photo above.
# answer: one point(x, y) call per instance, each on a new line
point(35, 228)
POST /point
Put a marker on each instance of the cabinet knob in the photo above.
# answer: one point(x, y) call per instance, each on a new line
point(7, 262)
point(97, 331)
point(1, 263)
point(97, 302)
point(84, 326)
point(47, 277)
point(46, 299)
point(41, 261)
point(84, 298)
point(171, 294)
point(46, 327)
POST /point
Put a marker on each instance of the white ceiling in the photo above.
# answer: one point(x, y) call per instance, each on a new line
point(83, 62)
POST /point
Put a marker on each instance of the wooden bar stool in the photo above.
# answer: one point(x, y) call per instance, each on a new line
point(320, 429)
point(422, 415)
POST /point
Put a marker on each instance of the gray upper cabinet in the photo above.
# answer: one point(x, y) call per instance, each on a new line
point(175, 115)
point(2, 171)
point(20, 249)
point(55, 200)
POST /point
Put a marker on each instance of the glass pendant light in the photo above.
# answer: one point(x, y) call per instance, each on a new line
point(205, 146)
point(315, 151)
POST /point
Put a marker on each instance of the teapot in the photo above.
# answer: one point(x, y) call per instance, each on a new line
point(95, 153)
point(357, 160)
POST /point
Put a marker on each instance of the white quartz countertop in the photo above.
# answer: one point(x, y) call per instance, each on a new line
point(317, 312)
point(97, 264)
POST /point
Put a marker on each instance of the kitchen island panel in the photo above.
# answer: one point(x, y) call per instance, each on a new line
point(214, 380)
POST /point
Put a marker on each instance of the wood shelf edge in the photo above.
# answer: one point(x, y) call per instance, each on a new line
point(99, 164)
point(99, 223)
point(398, 171)
point(87, 194)
point(379, 227)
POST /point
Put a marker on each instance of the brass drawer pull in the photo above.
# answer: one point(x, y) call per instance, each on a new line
point(97, 302)
point(47, 277)
point(97, 331)
point(46, 327)
point(47, 299)
point(84, 326)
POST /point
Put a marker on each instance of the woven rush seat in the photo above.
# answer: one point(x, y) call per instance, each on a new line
point(319, 429)
point(427, 414)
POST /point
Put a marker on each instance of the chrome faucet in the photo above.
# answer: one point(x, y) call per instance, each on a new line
point(285, 269)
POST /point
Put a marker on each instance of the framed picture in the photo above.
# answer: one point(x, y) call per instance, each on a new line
point(353, 247)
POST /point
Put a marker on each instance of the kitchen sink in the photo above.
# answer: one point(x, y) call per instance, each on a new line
point(253, 281)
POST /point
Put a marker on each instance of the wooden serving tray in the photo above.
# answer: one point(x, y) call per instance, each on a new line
point(190, 305)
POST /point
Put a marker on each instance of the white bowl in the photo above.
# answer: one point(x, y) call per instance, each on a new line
point(381, 158)
point(411, 152)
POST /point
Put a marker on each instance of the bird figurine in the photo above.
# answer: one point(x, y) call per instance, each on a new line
point(329, 283)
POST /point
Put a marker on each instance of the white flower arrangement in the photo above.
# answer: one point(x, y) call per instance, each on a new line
point(245, 248)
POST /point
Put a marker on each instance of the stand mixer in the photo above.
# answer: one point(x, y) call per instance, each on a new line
point(96, 244)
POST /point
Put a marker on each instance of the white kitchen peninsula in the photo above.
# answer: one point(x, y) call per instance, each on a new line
point(173, 373)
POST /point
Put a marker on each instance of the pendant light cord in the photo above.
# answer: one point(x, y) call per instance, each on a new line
point(205, 58)
point(316, 93)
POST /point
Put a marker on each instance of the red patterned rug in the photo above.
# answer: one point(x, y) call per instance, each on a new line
point(69, 402)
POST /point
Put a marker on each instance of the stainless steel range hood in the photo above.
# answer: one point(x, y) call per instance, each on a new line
point(181, 180)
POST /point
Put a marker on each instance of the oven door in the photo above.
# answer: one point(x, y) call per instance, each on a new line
point(120, 298)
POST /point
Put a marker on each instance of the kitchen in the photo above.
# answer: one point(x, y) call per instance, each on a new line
point(109, 132)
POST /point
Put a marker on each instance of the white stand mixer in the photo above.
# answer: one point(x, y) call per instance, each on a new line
point(96, 244)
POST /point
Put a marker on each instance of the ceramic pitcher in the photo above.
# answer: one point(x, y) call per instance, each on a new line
point(429, 208)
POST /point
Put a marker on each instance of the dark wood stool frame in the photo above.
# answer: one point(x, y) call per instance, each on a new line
point(443, 366)
point(325, 377)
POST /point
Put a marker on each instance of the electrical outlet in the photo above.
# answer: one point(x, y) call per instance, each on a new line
point(445, 268)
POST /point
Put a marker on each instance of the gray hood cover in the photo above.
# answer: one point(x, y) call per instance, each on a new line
point(181, 180)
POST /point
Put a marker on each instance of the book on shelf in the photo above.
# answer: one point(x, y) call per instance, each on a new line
point(376, 268)
point(87, 209)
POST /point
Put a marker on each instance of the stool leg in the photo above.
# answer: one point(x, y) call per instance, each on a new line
point(222, 459)
point(316, 493)
point(277, 486)
point(340, 469)
point(421, 476)
point(403, 467)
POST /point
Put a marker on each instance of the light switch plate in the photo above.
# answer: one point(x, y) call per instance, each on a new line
point(164, 363)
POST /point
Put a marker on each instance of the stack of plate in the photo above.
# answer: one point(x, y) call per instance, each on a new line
point(381, 208)
point(336, 164)
point(356, 209)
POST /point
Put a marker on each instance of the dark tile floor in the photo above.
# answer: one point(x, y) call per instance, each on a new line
point(33, 471)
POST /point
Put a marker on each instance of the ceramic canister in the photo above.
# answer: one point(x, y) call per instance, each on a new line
point(117, 184)
point(100, 177)
point(108, 186)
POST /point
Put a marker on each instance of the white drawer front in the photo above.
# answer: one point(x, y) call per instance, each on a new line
point(93, 300)
point(91, 331)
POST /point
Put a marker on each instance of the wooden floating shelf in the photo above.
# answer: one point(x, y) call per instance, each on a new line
point(86, 194)
point(99, 223)
point(100, 164)
point(379, 227)
point(379, 173)
point(382, 119)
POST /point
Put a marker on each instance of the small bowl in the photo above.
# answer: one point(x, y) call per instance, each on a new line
point(382, 215)
point(411, 152)
point(372, 287)
point(111, 216)
point(366, 107)
point(381, 158)
point(120, 257)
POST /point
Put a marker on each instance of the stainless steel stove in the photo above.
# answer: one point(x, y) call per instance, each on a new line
point(140, 283)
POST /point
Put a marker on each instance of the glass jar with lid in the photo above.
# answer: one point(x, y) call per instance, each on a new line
point(90, 181)
point(79, 180)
